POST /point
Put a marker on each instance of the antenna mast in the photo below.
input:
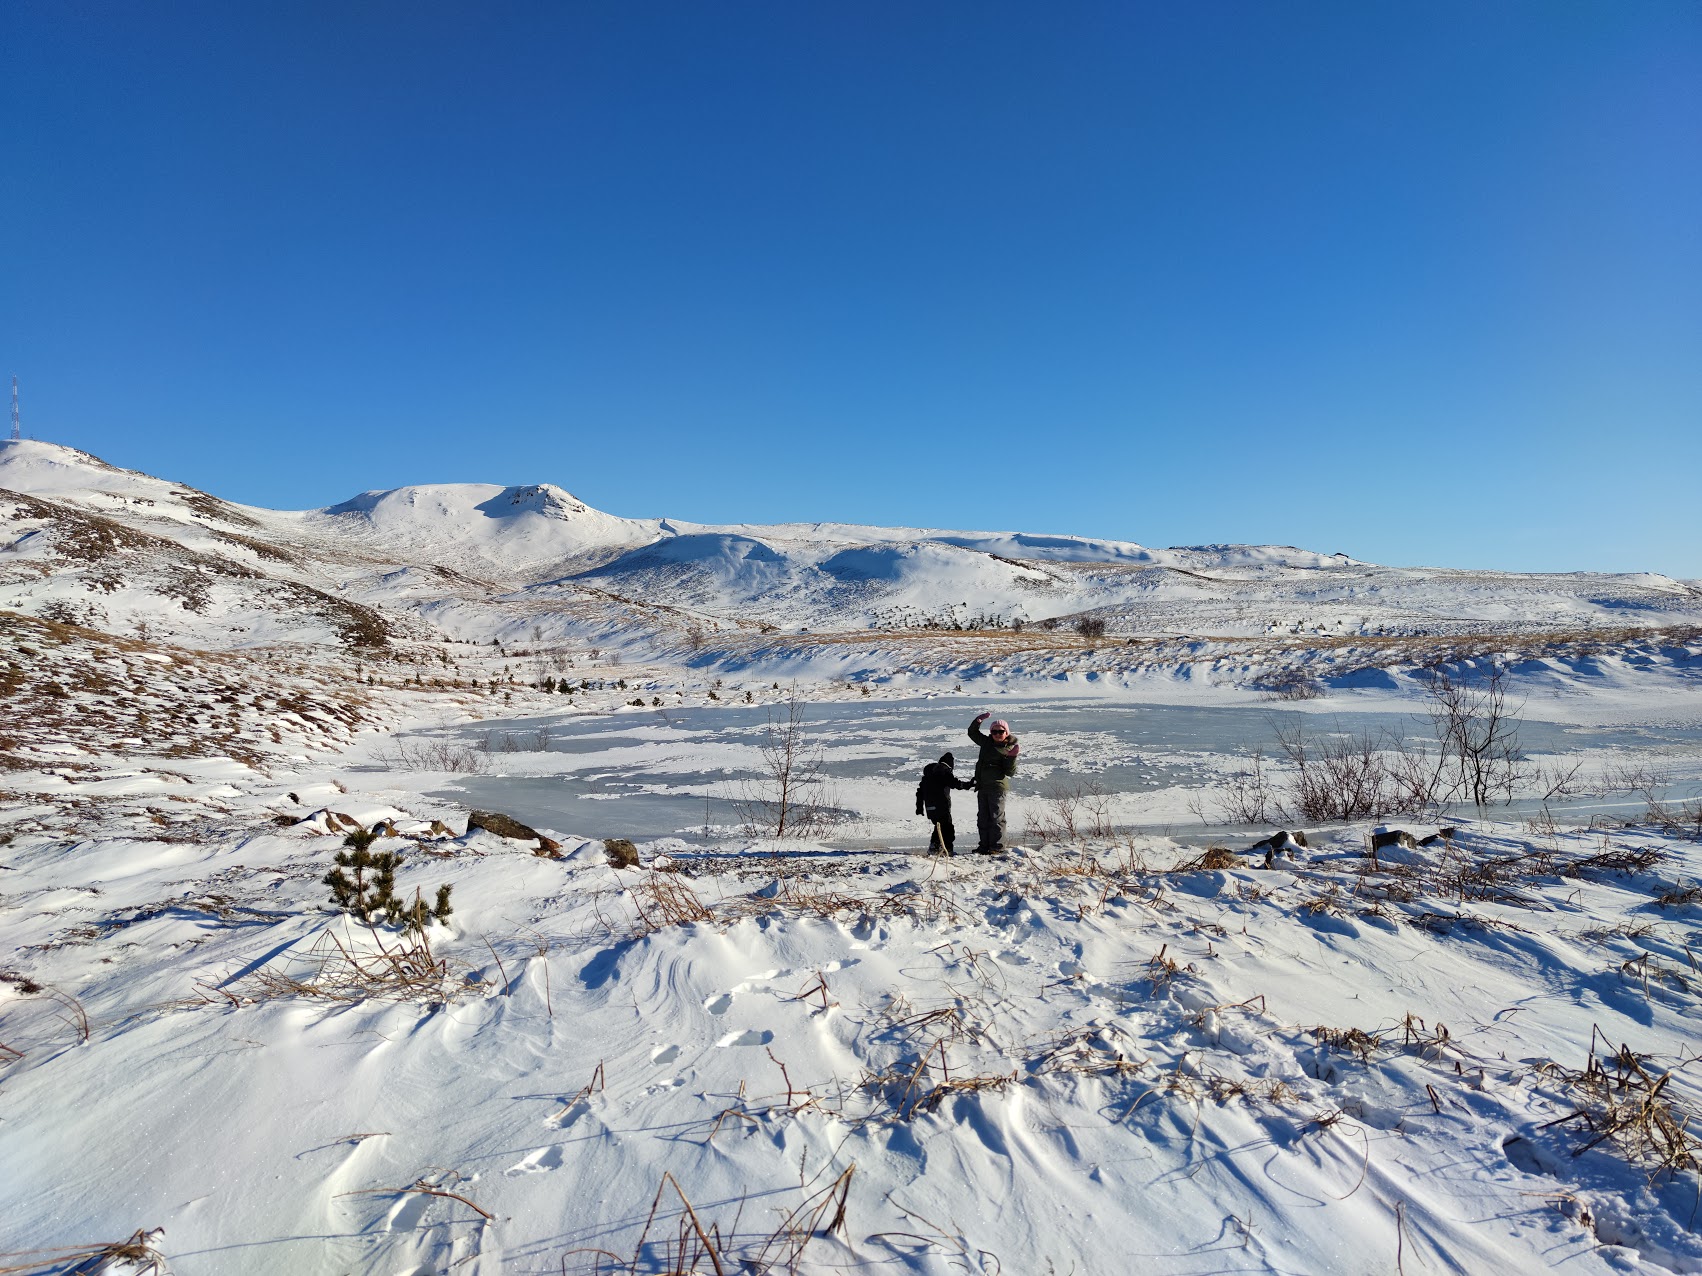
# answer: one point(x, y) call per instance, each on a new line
point(16, 433)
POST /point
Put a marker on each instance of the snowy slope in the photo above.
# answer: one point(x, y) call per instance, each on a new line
point(1100, 1061)
point(130, 553)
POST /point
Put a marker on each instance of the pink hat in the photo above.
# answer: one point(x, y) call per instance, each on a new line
point(998, 724)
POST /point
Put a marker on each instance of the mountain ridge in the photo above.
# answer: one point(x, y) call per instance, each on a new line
point(121, 550)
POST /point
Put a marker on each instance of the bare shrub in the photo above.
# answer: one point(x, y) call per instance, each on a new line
point(1561, 778)
point(1355, 777)
point(1073, 813)
point(791, 796)
point(1248, 795)
point(1479, 735)
point(664, 899)
point(1211, 860)
point(1290, 684)
point(1635, 776)
point(537, 741)
point(1091, 627)
point(1679, 896)
point(1619, 859)
point(1684, 818)
point(428, 753)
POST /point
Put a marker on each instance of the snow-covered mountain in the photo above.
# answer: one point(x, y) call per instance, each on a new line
point(114, 549)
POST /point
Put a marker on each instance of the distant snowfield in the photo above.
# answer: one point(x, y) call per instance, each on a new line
point(840, 1055)
point(127, 552)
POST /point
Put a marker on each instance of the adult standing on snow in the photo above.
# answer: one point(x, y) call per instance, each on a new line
point(993, 771)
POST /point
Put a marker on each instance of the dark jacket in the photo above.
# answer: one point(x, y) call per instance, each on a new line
point(997, 762)
point(938, 780)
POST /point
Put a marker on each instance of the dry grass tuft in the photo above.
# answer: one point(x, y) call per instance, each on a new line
point(696, 1248)
point(1646, 967)
point(1212, 860)
point(140, 1251)
point(665, 899)
point(1621, 1101)
point(1087, 1052)
point(1619, 859)
point(1354, 1041)
point(1678, 897)
point(405, 970)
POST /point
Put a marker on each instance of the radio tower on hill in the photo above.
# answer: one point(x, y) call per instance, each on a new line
point(16, 433)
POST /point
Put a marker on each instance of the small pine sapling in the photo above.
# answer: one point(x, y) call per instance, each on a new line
point(414, 916)
point(374, 896)
point(362, 895)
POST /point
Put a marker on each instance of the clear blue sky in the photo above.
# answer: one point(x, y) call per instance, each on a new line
point(1420, 282)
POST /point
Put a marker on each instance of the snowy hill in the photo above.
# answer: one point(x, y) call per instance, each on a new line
point(84, 541)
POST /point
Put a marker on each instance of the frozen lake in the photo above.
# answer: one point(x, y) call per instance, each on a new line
point(674, 772)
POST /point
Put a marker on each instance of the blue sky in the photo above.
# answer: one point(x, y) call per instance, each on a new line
point(1417, 282)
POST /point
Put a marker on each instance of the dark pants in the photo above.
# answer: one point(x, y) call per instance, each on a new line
point(944, 836)
point(990, 818)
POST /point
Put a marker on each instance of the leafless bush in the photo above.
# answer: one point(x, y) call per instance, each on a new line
point(1212, 859)
point(537, 741)
point(1679, 897)
point(1091, 627)
point(1072, 813)
point(428, 753)
point(1560, 778)
point(1684, 818)
point(791, 796)
point(1355, 777)
point(1479, 735)
point(664, 899)
point(1249, 797)
point(1635, 776)
point(1354, 1041)
point(1618, 859)
point(1290, 684)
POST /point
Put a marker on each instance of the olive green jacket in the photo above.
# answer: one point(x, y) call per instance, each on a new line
point(996, 763)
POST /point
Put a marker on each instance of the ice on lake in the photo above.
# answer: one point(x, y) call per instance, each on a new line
point(676, 771)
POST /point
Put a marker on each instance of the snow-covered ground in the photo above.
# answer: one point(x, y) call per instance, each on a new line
point(1099, 1059)
point(1113, 1054)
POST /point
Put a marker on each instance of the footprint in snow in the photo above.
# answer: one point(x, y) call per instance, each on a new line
point(664, 1055)
point(567, 1116)
point(749, 1037)
point(408, 1212)
point(538, 1161)
point(719, 1004)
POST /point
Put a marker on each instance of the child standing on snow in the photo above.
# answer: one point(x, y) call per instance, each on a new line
point(933, 799)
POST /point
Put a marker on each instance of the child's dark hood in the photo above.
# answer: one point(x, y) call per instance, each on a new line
point(948, 761)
